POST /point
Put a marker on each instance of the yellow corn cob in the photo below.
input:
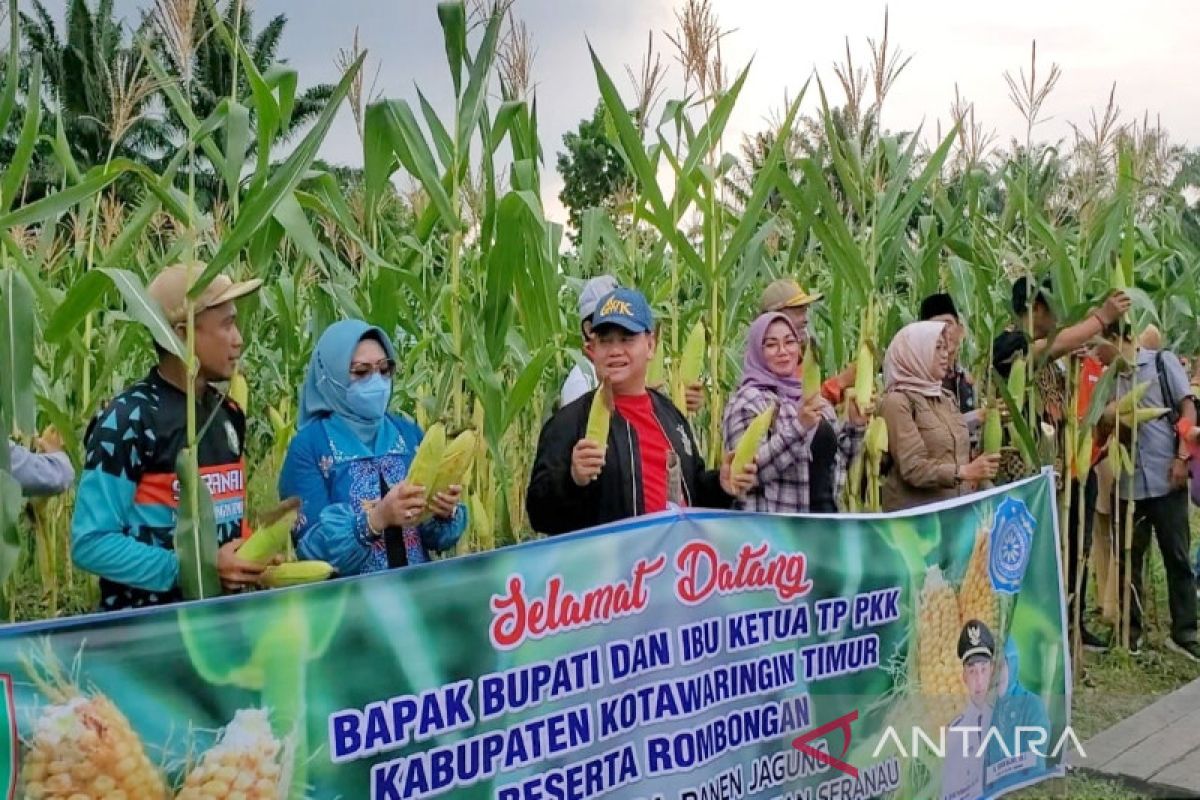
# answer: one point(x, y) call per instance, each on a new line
point(864, 376)
point(810, 373)
point(271, 539)
point(1016, 380)
point(246, 763)
point(747, 445)
point(425, 463)
point(993, 433)
point(976, 597)
point(85, 749)
point(939, 674)
point(692, 359)
point(294, 573)
point(1133, 398)
point(278, 423)
point(239, 391)
point(599, 417)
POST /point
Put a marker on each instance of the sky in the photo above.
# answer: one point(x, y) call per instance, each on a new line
point(1148, 49)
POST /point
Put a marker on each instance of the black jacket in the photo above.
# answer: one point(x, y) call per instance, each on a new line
point(554, 502)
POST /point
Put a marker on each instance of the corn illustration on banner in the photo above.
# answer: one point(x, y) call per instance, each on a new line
point(683, 657)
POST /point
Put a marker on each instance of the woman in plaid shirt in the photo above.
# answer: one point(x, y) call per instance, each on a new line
point(802, 461)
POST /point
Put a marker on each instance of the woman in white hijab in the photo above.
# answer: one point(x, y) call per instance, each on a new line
point(928, 442)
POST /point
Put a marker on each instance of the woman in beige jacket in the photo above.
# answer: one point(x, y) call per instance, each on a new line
point(928, 442)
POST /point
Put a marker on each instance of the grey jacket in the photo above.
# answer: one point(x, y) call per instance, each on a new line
point(40, 473)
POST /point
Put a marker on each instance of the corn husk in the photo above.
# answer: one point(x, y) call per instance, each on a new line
point(295, 573)
point(810, 373)
point(1016, 381)
point(746, 449)
point(993, 432)
point(1133, 398)
point(271, 539)
point(428, 458)
point(864, 376)
point(691, 362)
point(239, 391)
point(600, 416)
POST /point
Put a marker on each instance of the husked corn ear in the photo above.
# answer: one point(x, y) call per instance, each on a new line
point(1016, 380)
point(273, 538)
point(864, 376)
point(85, 749)
point(939, 675)
point(600, 416)
point(993, 433)
point(425, 463)
point(239, 391)
point(1133, 398)
point(246, 763)
point(976, 597)
point(810, 372)
point(747, 445)
point(294, 573)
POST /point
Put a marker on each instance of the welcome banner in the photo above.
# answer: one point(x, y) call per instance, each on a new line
point(694, 657)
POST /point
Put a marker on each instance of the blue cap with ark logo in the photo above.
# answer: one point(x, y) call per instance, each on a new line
point(625, 308)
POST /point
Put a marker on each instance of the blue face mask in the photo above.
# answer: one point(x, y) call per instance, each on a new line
point(368, 398)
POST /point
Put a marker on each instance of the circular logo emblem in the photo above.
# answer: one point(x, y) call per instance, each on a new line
point(1011, 537)
point(231, 435)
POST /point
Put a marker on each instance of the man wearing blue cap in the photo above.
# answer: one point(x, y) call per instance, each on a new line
point(650, 462)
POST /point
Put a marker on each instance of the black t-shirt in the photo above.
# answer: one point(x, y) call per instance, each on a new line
point(824, 463)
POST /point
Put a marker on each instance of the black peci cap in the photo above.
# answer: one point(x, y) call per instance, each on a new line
point(975, 640)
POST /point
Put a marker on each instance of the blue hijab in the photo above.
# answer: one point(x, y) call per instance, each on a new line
point(328, 380)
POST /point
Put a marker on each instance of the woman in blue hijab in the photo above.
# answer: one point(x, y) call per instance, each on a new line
point(349, 459)
point(1020, 720)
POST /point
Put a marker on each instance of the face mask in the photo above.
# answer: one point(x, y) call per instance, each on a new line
point(368, 398)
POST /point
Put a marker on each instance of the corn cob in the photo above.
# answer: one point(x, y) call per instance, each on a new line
point(747, 445)
point(456, 460)
point(864, 376)
point(294, 573)
point(876, 439)
point(1016, 380)
point(425, 463)
point(599, 417)
point(82, 747)
point(239, 391)
point(690, 363)
point(1083, 457)
point(993, 433)
point(485, 537)
point(272, 539)
point(246, 763)
point(810, 373)
point(976, 597)
point(939, 674)
point(1117, 281)
point(1133, 398)
point(656, 373)
point(1141, 416)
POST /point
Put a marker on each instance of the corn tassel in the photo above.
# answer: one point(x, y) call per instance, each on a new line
point(600, 417)
point(746, 449)
point(247, 762)
point(939, 675)
point(294, 573)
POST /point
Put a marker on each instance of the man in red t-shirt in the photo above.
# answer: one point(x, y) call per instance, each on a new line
point(651, 460)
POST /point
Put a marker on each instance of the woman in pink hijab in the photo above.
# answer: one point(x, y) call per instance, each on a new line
point(928, 442)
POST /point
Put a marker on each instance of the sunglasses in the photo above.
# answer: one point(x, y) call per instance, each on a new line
point(360, 370)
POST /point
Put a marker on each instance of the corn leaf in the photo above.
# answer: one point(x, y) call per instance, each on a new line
point(195, 532)
point(237, 137)
point(11, 506)
point(453, 18)
point(18, 328)
point(474, 97)
point(291, 216)
point(54, 205)
point(14, 171)
point(408, 143)
point(12, 67)
point(260, 203)
point(525, 385)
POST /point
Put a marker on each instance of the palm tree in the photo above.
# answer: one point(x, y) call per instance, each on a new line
point(97, 82)
point(212, 69)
